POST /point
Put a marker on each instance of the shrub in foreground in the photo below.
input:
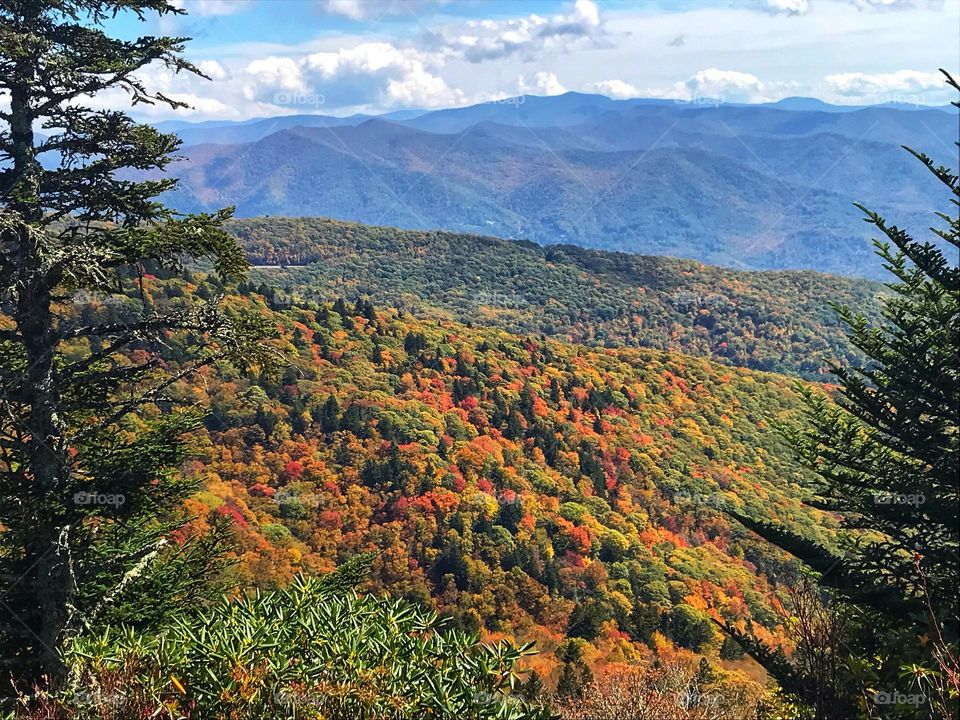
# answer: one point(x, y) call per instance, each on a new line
point(315, 649)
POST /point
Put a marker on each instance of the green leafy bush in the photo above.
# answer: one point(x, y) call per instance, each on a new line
point(313, 649)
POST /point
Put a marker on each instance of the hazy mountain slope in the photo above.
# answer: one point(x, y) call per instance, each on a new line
point(679, 202)
point(684, 203)
point(772, 320)
point(287, 169)
point(923, 128)
point(742, 186)
point(829, 162)
point(557, 111)
point(622, 122)
point(252, 130)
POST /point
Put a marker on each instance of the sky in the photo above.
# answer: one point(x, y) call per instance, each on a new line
point(338, 57)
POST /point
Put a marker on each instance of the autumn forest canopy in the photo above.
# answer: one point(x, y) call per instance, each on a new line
point(289, 467)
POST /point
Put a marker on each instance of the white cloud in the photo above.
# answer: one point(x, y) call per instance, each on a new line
point(543, 83)
point(588, 11)
point(613, 88)
point(419, 88)
point(787, 7)
point(363, 58)
point(529, 37)
point(213, 70)
point(713, 86)
point(365, 74)
point(803, 7)
point(899, 86)
point(717, 85)
point(276, 73)
point(353, 9)
point(724, 84)
point(200, 105)
point(360, 78)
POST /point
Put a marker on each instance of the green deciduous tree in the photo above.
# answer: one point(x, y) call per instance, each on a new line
point(89, 434)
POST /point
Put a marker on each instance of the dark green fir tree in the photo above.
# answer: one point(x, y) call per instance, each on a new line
point(884, 452)
point(90, 433)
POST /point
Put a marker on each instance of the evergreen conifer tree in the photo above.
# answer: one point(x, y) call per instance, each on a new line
point(886, 457)
point(90, 434)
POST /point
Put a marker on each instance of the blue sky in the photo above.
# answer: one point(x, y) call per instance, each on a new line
point(271, 57)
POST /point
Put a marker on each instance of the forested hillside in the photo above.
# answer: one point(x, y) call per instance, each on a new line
point(529, 488)
point(778, 321)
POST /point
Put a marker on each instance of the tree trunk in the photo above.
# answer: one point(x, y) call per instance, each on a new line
point(46, 552)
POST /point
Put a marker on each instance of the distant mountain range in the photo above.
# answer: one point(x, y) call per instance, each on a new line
point(745, 186)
